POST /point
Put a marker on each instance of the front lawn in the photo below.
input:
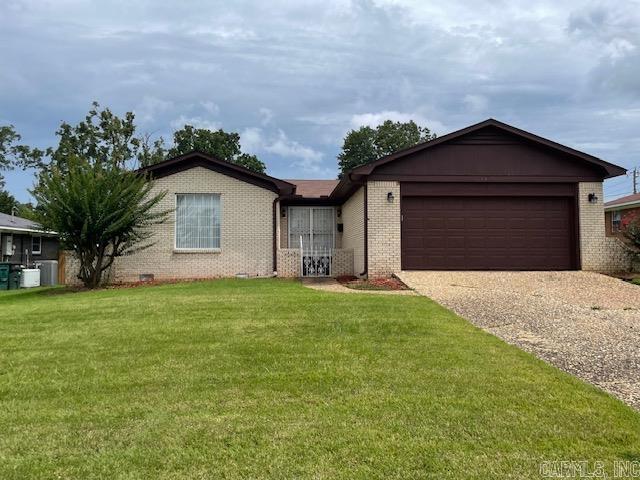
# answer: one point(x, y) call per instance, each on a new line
point(268, 379)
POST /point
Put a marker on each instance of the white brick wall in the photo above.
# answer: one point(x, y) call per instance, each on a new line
point(246, 231)
point(71, 267)
point(289, 262)
point(383, 228)
point(353, 228)
point(598, 252)
point(342, 263)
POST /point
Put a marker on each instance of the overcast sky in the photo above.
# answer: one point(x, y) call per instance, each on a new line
point(294, 76)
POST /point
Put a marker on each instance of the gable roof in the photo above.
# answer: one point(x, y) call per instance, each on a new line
point(17, 222)
point(349, 182)
point(9, 223)
point(611, 169)
point(628, 201)
point(314, 188)
point(199, 159)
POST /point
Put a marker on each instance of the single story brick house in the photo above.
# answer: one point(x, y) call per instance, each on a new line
point(487, 197)
point(23, 242)
point(616, 209)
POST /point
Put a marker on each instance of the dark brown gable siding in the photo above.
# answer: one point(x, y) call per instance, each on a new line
point(489, 154)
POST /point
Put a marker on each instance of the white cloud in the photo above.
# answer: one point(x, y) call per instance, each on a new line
point(197, 122)
point(476, 103)
point(619, 48)
point(375, 119)
point(284, 146)
point(309, 161)
point(211, 107)
point(266, 115)
point(149, 109)
point(251, 140)
point(319, 68)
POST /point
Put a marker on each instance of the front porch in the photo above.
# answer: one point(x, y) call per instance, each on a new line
point(290, 263)
point(309, 240)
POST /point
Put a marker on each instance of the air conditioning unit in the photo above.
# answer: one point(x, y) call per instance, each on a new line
point(7, 245)
point(48, 272)
point(30, 278)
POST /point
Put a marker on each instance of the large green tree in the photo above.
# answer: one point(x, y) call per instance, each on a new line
point(14, 154)
point(102, 137)
point(7, 202)
point(221, 144)
point(89, 194)
point(100, 211)
point(367, 144)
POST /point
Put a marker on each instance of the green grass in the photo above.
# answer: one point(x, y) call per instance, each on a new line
point(268, 379)
point(636, 281)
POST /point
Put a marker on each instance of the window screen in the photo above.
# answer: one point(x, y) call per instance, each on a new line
point(616, 220)
point(314, 224)
point(197, 220)
point(36, 244)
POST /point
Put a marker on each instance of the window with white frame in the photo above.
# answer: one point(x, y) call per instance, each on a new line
point(316, 226)
point(616, 220)
point(36, 245)
point(197, 221)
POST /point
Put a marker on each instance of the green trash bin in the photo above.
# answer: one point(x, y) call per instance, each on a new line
point(14, 278)
point(4, 276)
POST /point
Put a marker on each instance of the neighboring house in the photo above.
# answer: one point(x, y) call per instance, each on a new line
point(615, 210)
point(487, 197)
point(23, 242)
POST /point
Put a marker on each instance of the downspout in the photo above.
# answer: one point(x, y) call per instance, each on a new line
point(366, 233)
point(275, 235)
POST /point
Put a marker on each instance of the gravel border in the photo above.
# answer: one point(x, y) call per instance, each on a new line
point(584, 323)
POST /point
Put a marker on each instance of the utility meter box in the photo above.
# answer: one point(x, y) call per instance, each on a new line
point(7, 245)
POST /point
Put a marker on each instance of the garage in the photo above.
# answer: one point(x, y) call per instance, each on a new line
point(487, 197)
point(487, 233)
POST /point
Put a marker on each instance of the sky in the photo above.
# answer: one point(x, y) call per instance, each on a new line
point(293, 77)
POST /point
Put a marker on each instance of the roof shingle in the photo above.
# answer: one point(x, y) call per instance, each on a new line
point(623, 200)
point(314, 188)
point(17, 222)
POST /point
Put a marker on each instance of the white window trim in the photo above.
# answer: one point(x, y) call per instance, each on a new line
point(176, 249)
point(309, 207)
point(615, 228)
point(39, 251)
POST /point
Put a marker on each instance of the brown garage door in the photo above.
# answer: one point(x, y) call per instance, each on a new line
point(487, 233)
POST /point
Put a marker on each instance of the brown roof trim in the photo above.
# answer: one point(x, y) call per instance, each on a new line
point(610, 169)
point(199, 159)
point(293, 200)
point(347, 186)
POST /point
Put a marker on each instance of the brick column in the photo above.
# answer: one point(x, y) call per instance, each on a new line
point(597, 251)
point(383, 228)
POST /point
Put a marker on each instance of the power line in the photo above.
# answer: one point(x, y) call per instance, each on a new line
point(614, 189)
point(618, 195)
point(612, 181)
point(626, 188)
point(626, 191)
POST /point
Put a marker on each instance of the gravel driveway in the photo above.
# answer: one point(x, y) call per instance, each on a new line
point(584, 323)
